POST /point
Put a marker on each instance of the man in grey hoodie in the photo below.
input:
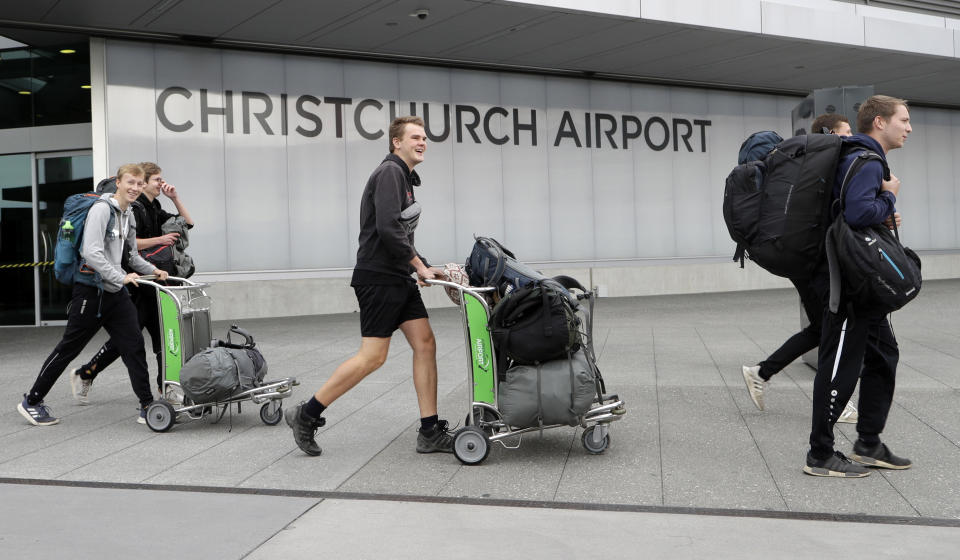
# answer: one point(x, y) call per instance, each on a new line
point(100, 299)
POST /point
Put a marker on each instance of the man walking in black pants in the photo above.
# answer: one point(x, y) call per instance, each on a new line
point(756, 377)
point(858, 342)
point(151, 240)
point(387, 293)
point(100, 298)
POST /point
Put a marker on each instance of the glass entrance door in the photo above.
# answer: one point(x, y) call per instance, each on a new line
point(17, 284)
point(59, 175)
point(33, 188)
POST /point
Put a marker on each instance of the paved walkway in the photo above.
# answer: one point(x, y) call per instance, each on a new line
point(693, 468)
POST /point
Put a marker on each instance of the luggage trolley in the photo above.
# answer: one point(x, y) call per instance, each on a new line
point(184, 311)
point(485, 423)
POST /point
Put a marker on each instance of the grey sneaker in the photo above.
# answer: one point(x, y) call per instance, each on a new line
point(755, 384)
point(849, 414)
point(438, 440)
point(38, 414)
point(836, 465)
point(878, 456)
point(304, 429)
point(142, 419)
point(80, 387)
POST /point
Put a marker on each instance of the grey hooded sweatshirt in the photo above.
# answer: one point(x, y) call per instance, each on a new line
point(103, 248)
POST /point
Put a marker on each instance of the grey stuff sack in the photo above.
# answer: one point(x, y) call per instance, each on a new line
point(554, 392)
point(210, 376)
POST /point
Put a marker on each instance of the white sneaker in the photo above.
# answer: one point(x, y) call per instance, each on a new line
point(80, 387)
point(849, 414)
point(755, 384)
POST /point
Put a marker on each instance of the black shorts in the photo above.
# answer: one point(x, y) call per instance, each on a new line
point(383, 308)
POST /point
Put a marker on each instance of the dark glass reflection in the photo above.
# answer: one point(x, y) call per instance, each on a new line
point(42, 86)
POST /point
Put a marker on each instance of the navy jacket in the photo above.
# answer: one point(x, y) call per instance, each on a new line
point(866, 204)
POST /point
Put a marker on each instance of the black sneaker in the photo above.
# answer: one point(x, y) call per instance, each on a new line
point(878, 456)
point(304, 429)
point(835, 465)
point(437, 440)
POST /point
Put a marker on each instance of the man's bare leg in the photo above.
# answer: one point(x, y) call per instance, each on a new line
point(433, 435)
point(372, 354)
point(424, 345)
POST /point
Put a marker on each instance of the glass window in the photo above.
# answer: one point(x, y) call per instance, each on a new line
point(47, 85)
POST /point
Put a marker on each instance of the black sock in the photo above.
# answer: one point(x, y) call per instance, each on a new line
point(429, 423)
point(313, 408)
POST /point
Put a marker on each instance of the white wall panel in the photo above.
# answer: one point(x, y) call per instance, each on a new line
point(478, 175)
point(654, 198)
point(316, 174)
point(131, 125)
point(258, 221)
point(526, 186)
point(571, 173)
point(693, 210)
point(613, 193)
point(193, 160)
point(941, 199)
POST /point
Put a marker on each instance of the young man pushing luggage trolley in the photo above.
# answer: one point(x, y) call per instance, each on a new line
point(389, 297)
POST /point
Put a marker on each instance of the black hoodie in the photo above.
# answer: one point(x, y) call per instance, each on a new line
point(389, 213)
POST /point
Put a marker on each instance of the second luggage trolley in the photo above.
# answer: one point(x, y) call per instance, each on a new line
point(184, 311)
point(484, 421)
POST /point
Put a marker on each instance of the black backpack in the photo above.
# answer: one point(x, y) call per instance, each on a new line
point(869, 264)
point(536, 323)
point(777, 210)
point(108, 185)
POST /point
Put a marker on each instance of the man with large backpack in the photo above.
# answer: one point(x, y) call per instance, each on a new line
point(154, 246)
point(857, 341)
point(757, 376)
point(387, 293)
point(100, 298)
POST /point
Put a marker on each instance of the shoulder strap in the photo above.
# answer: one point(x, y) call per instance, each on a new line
point(855, 166)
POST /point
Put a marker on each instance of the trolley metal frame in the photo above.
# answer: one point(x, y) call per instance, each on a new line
point(485, 423)
point(184, 313)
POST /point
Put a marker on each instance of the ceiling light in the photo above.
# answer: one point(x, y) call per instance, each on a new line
point(85, 86)
point(67, 51)
point(21, 92)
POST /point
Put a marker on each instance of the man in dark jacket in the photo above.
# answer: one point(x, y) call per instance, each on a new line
point(387, 293)
point(858, 342)
point(156, 247)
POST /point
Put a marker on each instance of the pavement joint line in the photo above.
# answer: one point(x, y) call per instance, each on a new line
point(656, 392)
point(743, 420)
point(501, 502)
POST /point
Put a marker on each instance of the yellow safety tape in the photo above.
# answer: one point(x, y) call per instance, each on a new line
point(26, 265)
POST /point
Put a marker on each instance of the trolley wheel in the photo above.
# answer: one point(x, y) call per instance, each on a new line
point(592, 446)
point(470, 445)
point(485, 415)
point(271, 413)
point(160, 416)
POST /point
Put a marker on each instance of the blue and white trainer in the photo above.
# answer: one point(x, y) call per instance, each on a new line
point(38, 414)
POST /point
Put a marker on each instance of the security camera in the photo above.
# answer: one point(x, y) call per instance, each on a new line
point(421, 14)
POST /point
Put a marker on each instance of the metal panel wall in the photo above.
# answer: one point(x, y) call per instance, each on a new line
point(556, 168)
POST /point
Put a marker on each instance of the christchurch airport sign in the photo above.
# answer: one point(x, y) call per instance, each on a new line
point(460, 123)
